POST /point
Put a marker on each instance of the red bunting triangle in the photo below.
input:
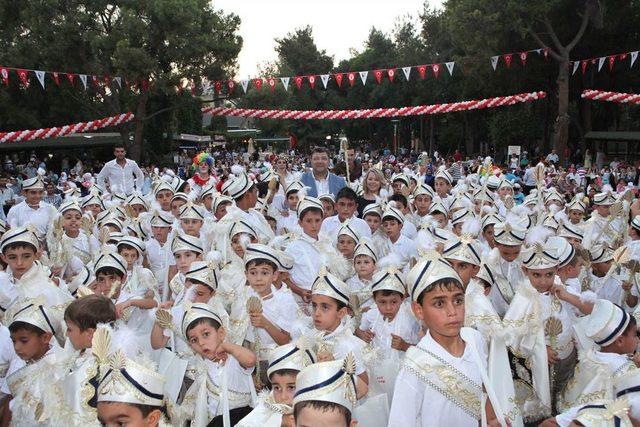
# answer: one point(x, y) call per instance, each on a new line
point(391, 73)
point(422, 69)
point(312, 81)
point(257, 83)
point(71, 77)
point(298, 81)
point(378, 75)
point(4, 73)
point(622, 56)
point(107, 80)
point(24, 77)
point(612, 59)
point(56, 77)
point(523, 58)
point(338, 78)
point(231, 85)
point(217, 86)
point(95, 81)
point(507, 59)
point(272, 83)
point(583, 65)
point(352, 78)
point(145, 85)
point(436, 69)
point(546, 53)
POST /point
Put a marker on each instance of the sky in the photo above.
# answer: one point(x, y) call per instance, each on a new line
point(338, 25)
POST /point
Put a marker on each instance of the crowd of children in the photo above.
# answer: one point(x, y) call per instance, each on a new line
point(205, 304)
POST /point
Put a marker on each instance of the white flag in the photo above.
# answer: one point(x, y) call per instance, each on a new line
point(119, 81)
point(244, 84)
point(494, 61)
point(83, 78)
point(634, 56)
point(285, 82)
point(40, 76)
point(576, 64)
point(450, 67)
point(363, 77)
point(601, 62)
point(407, 72)
point(325, 79)
point(539, 51)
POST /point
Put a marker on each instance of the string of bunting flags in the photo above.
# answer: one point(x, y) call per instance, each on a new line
point(600, 61)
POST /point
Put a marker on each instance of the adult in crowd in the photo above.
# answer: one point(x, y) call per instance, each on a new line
point(122, 174)
point(355, 167)
point(372, 184)
point(320, 180)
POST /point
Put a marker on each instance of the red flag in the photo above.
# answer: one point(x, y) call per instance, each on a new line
point(523, 58)
point(312, 81)
point(293, 141)
point(217, 86)
point(56, 77)
point(258, 83)
point(95, 81)
point(338, 78)
point(179, 89)
point(107, 80)
point(378, 75)
point(612, 59)
point(24, 77)
point(231, 85)
point(546, 53)
point(272, 83)
point(583, 64)
point(507, 59)
point(298, 80)
point(422, 69)
point(4, 72)
point(352, 78)
point(71, 77)
point(622, 56)
point(436, 69)
point(391, 73)
point(145, 85)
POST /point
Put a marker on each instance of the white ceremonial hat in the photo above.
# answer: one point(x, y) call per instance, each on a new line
point(110, 259)
point(609, 413)
point(162, 219)
point(71, 205)
point(84, 278)
point(365, 247)
point(400, 177)
point(4, 226)
point(423, 188)
point(293, 356)
point(461, 201)
point(576, 205)
point(237, 186)
point(35, 183)
point(461, 216)
point(241, 226)
point(137, 199)
point(23, 235)
point(219, 199)
point(92, 199)
point(428, 271)
point(185, 242)
point(195, 311)
point(163, 186)
point(444, 174)
point(539, 256)
point(388, 279)
point(203, 272)
point(505, 183)
point(134, 242)
point(208, 190)
point(330, 286)
point(114, 237)
point(266, 176)
point(493, 182)
point(393, 212)
point(600, 253)
point(509, 234)
point(180, 196)
point(35, 312)
point(191, 211)
point(256, 251)
point(441, 235)
point(568, 229)
point(484, 195)
point(635, 222)
point(606, 322)
point(111, 220)
point(308, 202)
point(463, 248)
point(604, 198)
point(347, 230)
point(285, 262)
point(553, 195)
point(327, 196)
point(372, 209)
point(333, 382)
point(176, 183)
point(491, 219)
point(438, 207)
point(136, 226)
point(293, 186)
point(563, 249)
point(488, 273)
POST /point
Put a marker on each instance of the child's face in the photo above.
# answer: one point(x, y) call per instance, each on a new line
point(94, 208)
point(283, 387)
point(176, 205)
point(326, 316)
point(628, 341)
point(137, 210)
point(236, 246)
point(364, 266)
point(346, 245)
point(422, 204)
point(603, 210)
point(346, 208)
point(184, 259)
point(292, 200)
point(442, 186)
point(575, 216)
point(260, 278)
point(310, 223)
point(388, 305)
point(72, 221)
point(541, 280)
point(201, 293)
point(30, 346)
point(397, 187)
point(465, 270)
point(508, 253)
point(441, 219)
point(204, 339)
point(221, 210)
point(130, 255)
point(373, 221)
point(457, 229)
point(115, 414)
point(33, 197)
point(191, 226)
point(160, 233)
point(79, 338)
point(207, 201)
point(328, 208)
point(104, 282)
point(164, 199)
point(19, 259)
point(601, 268)
point(310, 416)
point(487, 232)
point(442, 311)
point(392, 228)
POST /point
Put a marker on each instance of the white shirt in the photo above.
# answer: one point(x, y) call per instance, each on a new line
point(331, 226)
point(322, 185)
point(41, 218)
point(9, 360)
point(403, 325)
point(121, 179)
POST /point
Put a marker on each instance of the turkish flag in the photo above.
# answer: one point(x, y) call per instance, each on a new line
point(231, 85)
point(436, 70)
point(612, 59)
point(293, 141)
point(95, 81)
point(422, 70)
point(391, 73)
point(507, 59)
point(378, 75)
point(338, 78)
point(583, 64)
point(24, 77)
point(352, 78)
point(272, 83)
point(257, 83)
point(71, 77)
point(523, 58)
point(298, 80)
point(4, 72)
point(546, 53)
point(217, 86)
point(312, 81)
point(145, 85)
point(56, 77)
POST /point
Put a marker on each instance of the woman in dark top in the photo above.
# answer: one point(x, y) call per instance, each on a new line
point(372, 184)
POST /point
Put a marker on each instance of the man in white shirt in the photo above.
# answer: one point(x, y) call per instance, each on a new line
point(320, 180)
point(346, 205)
point(123, 175)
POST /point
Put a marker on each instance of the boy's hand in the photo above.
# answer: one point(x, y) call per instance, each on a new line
point(626, 285)
point(306, 296)
point(398, 343)
point(552, 356)
point(287, 421)
point(325, 356)
point(559, 291)
point(167, 304)
point(366, 336)
point(257, 320)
